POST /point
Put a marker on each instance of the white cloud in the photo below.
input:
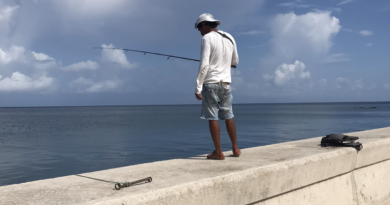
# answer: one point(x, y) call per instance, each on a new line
point(369, 44)
point(366, 33)
point(342, 82)
point(288, 73)
point(345, 83)
point(41, 56)
point(42, 61)
point(15, 53)
point(253, 32)
point(89, 65)
point(336, 57)
point(307, 36)
point(386, 86)
point(83, 85)
point(91, 7)
point(345, 2)
point(18, 54)
point(294, 5)
point(323, 82)
point(336, 9)
point(21, 82)
point(6, 13)
point(348, 30)
point(116, 56)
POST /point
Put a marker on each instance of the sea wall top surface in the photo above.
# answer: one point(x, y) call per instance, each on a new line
point(259, 173)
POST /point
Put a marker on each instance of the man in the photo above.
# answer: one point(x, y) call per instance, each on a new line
point(218, 55)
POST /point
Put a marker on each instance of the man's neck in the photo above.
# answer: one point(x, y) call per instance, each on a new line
point(213, 29)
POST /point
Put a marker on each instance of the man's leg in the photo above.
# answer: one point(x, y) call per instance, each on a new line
point(214, 131)
point(231, 129)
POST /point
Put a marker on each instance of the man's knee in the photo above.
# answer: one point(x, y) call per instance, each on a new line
point(229, 120)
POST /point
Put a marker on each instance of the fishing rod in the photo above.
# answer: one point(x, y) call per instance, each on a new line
point(146, 52)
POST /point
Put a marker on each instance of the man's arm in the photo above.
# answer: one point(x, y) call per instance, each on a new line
point(235, 54)
point(204, 65)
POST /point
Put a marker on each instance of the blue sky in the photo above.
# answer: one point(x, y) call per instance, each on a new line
point(290, 51)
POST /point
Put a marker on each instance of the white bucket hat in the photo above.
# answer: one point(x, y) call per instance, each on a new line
point(206, 17)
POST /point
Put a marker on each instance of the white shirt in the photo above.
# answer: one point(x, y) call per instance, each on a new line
point(217, 56)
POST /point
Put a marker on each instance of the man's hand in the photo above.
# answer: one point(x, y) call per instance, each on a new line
point(198, 96)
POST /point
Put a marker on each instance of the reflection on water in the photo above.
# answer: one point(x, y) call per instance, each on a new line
point(40, 143)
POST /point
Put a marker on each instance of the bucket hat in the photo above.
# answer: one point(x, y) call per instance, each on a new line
point(206, 17)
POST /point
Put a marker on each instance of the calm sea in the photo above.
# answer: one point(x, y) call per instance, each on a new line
point(47, 142)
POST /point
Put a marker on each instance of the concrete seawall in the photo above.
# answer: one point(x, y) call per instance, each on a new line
point(297, 172)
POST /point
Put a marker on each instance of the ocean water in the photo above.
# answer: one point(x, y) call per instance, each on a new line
point(46, 142)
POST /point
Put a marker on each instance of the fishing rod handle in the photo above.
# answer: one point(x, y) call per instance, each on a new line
point(119, 186)
point(147, 179)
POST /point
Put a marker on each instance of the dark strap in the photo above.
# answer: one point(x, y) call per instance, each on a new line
point(225, 36)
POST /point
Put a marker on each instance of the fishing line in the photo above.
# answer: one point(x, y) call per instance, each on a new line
point(147, 52)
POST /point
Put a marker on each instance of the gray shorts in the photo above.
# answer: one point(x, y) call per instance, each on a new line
point(217, 102)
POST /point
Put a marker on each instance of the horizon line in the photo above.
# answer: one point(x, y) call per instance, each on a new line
point(53, 106)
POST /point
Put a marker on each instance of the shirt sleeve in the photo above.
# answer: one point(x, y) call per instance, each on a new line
point(235, 54)
point(204, 65)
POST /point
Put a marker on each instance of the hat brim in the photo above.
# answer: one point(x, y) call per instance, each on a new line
point(196, 24)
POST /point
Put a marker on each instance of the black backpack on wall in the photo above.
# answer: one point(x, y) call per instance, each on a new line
point(340, 140)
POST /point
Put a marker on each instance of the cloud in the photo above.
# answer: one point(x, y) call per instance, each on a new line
point(342, 82)
point(253, 32)
point(295, 5)
point(348, 30)
point(362, 32)
point(336, 9)
point(345, 83)
point(20, 82)
point(307, 36)
point(288, 73)
point(369, 44)
point(83, 85)
point(18, 54)
point(386, 86)
point(366, 33)
point(323, 82)
point(41, 56)
point(116, 56)
point(15, 53)
point(89, 65)
point(336, 57)
point(91, 7)
point(6, 13)
point(42, 61)
point(345, 2)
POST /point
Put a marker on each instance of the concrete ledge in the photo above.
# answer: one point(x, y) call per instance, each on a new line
point(319, 193)
point(255, 183)
point(376, 146)
point(286, 172)
point(373, 183)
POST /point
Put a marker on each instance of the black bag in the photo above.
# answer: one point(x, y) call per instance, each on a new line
point(340, 140)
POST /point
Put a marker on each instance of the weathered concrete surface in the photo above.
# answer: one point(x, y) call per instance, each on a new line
point(333, 191)
point(285, 171)
point(387, 202)
point(376, 146)
point(373, 183)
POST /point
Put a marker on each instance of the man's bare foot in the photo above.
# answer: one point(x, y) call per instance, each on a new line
point(236, 152)
point(216, 156)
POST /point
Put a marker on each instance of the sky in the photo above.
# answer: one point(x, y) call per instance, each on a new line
point(289, 51)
